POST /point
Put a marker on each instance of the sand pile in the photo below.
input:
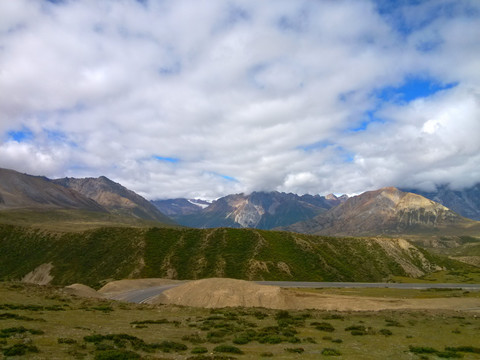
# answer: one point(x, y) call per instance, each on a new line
point(82, 291)
point(218, 293)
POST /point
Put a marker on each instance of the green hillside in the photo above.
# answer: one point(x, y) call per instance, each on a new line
point(72, 220)
point(95, 256)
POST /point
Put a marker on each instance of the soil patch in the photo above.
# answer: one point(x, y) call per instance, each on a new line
point(82, 291)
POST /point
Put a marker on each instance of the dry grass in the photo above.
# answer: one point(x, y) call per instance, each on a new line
point(80, 318)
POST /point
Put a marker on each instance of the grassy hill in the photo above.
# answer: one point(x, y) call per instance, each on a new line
point(72, 220)
point(98, 255)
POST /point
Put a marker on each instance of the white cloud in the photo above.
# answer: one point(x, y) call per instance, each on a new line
point(266, 93)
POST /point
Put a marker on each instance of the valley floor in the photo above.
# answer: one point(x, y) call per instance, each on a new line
point(47, 323)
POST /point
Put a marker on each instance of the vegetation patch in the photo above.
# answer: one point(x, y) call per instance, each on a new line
point(10, 316)
point(116, 354)
point(323, 326)
point(4, 333)
point(19, 349)
point(330, 352)
point(227, 349)
point(199, 350)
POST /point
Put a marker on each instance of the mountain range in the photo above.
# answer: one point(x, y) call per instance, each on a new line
point(260, 210)
point(157, 247)
point(383, 211)
point(99, 196)
point(465, 202)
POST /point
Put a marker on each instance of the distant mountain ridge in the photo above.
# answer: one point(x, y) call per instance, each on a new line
point(466, 202)
point(261, 210)
point(101, 195)
point(23, 191)
point(114, 197)
point(383, 211)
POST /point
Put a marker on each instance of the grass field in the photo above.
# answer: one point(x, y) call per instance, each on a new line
point(71, 220)
point(470, 276)
point(44, 323)
point(396, 293)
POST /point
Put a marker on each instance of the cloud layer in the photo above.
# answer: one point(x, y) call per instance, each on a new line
point(191, 98)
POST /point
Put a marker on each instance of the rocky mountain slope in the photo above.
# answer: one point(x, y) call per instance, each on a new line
point(261, 210)
point(465, 202)
point(114, 197)
point(384, 211)
point(97, 256)
point(22, 191)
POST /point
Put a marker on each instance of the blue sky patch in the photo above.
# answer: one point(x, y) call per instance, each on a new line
point(229, 178)
point(223, 176)
point(412, 89)
point(368, 118)
point(166, 159)
point(20, 136)
point(315, 146)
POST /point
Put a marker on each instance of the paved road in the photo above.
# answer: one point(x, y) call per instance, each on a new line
point(306, 284)
point(142, 295)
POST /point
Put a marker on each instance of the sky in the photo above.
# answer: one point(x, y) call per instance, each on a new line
point(204, 98)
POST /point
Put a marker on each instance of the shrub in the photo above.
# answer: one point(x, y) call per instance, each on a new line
point(241, 340)
point(266, 354)
point(298, 350)
point(66, 341)
point(393, 323)
point(355, 327)
point(117, 355)
point(104, 308)
point(331, 352)
point(270, 339)
point(19, 349)
point(448, 355)
point(422, 350)
point(199, 350)
point(95, 338)
point(227, 349)
point(385, 332)
point(142, 322)
point(323, 326)
point(194, 339)
point(333, 317)
point(358, 332)
point(338, 341)
point(282, 314)
point(6, 316)
point(260, 315)
point(18, 330)
point(467, 349)
point(168, 346)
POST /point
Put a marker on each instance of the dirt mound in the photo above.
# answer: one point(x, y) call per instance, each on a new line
point(82, 291)
point(218, 293)
point(121, 286)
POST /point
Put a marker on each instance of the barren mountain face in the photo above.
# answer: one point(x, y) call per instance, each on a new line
point(387, 210)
